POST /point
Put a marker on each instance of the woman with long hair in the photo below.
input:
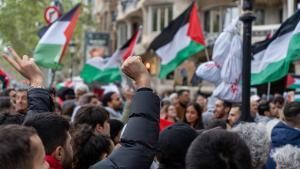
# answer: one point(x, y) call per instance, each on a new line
point(193, 116)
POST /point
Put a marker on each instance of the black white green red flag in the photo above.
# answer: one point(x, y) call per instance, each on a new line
point(50, 50)
point(95, 70)
point(181, 39)
point(272, 57)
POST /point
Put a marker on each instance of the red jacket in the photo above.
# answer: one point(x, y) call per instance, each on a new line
point(164, 123)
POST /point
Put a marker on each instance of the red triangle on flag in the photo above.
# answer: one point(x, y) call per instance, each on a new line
point(129, 50)
point(290, 81)
point(195, 30)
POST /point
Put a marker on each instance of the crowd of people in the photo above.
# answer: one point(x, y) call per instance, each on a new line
point(74, 128)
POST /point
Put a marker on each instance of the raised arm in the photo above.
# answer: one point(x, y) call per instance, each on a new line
point(38, 97)
point(141, 133)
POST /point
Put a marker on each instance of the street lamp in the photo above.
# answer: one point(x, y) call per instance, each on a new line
point(247, 19)
point(72, 50)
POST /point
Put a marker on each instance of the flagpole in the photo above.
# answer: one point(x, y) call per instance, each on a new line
point(269, 91)
point(206, 54)
point(247, 19)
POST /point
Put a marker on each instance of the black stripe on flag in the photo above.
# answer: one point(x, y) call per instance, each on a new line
point(170, 31)
point(286, 27)
point(68, 16)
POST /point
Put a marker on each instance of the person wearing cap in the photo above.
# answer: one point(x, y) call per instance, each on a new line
point(173, 144)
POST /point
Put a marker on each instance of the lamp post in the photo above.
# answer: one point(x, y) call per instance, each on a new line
point(72, 49)
point(247, 18)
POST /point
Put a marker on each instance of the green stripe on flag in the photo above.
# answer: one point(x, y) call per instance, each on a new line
point(46, 55)
point(181, 56)
point(90, 74)
point(277, 70)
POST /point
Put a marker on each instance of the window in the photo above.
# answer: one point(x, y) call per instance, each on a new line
point(122, 34)
point(160, 17)
point(216, 19)
point(206, 21)
point(260, 17)
point(231, 13)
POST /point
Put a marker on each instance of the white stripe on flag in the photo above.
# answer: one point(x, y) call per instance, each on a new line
point(55, 34)
point(169, 51)
point(276, 51)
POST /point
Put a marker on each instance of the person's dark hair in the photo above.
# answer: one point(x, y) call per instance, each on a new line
point(7, 91)
point(16, 149)
point(116, 127)
point(107, 98)
point(180, 92)
point(218, 149)
point(88, 147)
point(173, 144)
point(199, 124)
point(86, 98)
point(279, 99)
point(91, 115)
point(52, 129)
point(263, 107)
point(292, 112)
point(200, 94)
point(8, 118)
point(66, 93)
point(5, 103)
point(227, 104)
point(216, 123)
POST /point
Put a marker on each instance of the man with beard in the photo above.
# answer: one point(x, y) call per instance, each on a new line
point(222, 109)
point(54, 133)
point(183, 101)
point(113, 105)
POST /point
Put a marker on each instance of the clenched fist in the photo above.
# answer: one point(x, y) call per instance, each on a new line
point(134, 68)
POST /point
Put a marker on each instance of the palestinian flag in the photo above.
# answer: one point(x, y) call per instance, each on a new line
point(181, 39)
point(272, 57)
point(293, 82)
point(50, 50)
point(297, 97)
point(95, 70)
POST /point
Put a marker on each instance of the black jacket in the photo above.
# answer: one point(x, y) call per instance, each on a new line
point(140, 137)
point(39, 101)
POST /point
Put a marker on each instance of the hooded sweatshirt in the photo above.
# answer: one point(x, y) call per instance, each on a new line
point(282, 135)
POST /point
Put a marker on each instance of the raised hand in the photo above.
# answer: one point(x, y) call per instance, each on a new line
point(134, 68)
point(26, 67)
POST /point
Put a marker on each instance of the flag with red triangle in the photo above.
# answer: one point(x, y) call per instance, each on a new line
point(96, 70)
point(181, 39)
point(293, 81)
point(50, 50)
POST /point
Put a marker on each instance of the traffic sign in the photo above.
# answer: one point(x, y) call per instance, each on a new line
point(51, 14)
